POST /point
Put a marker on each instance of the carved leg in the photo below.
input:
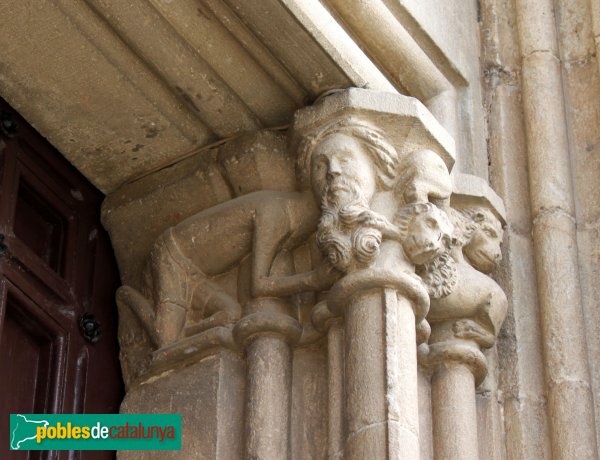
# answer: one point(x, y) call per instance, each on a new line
point(219, 308)
point(173, 278)
point(471, 330)
point(142, 308)
point(170, 319)
point(218, 301)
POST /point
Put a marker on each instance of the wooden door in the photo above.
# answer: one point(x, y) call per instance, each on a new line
point(56, 265)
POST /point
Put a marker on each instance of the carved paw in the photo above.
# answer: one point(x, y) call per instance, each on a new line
point(471, 330)
point(221, 318)
point(324, 276)
point(371, 219)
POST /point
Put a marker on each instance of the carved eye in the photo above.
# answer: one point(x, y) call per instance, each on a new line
point(490, 233)
point(344, 158)
point(320, 164)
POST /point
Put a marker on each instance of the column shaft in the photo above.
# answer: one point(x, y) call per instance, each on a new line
point(335, 366)
point(381, 377)
point(268, 397)
point(401, 377)
point(365, 377)
point(454, 412)
point(554, 235)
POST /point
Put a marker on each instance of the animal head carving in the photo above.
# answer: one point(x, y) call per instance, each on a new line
point(426, 231)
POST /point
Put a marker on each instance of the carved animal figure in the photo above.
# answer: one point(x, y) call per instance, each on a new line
point(178, 270)
point(462, 295)
point(343, 165)
point(424, 178)
point(425, 231)
point(425, 234)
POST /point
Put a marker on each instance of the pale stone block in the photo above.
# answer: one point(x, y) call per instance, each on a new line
point(209, 395)
point(525, 421)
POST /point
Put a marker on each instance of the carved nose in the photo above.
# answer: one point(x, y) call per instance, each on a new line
point(335, 168)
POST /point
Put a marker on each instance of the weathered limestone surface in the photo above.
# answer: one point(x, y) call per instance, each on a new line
point(209, 394)
point(554, 235)
point(522, 394)
point(322, 255)
point(578, 38)
point(125, 88)
point(233, 257)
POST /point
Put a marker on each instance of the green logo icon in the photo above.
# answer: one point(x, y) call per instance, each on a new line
point(95, 432)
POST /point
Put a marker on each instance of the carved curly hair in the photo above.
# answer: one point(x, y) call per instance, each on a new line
point(439, 275)
point(467, 221)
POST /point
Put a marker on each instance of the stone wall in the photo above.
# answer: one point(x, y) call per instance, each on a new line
point(236, 265)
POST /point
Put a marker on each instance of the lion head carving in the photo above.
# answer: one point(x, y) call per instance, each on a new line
point(425, 230)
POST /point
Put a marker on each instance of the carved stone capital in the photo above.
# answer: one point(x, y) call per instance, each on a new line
point(467, 306)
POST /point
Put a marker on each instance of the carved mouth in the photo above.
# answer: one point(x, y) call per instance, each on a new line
point(428, 253)
point(339, 187)
point(420, 257)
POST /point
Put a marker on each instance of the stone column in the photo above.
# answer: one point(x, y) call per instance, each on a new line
point(467, 311)
point(352, 147)
point(325, 322)
point(554, 235)
point(266, 335)
point(458, 368)
point(379, 306)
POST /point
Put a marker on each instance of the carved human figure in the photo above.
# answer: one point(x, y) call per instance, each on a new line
point(185, 257)
point(466, 302)
point(339, 167)
point(347, 163)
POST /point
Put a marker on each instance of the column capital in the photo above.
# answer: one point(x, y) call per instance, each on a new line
point(406, 284)
point(260, 323)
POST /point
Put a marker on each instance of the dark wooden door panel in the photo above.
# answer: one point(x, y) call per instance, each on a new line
point(33, 354)
point(40, 227)
point(56, 264)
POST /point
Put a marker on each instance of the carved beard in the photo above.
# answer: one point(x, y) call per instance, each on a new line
point(341, 192)
point(342, 206)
